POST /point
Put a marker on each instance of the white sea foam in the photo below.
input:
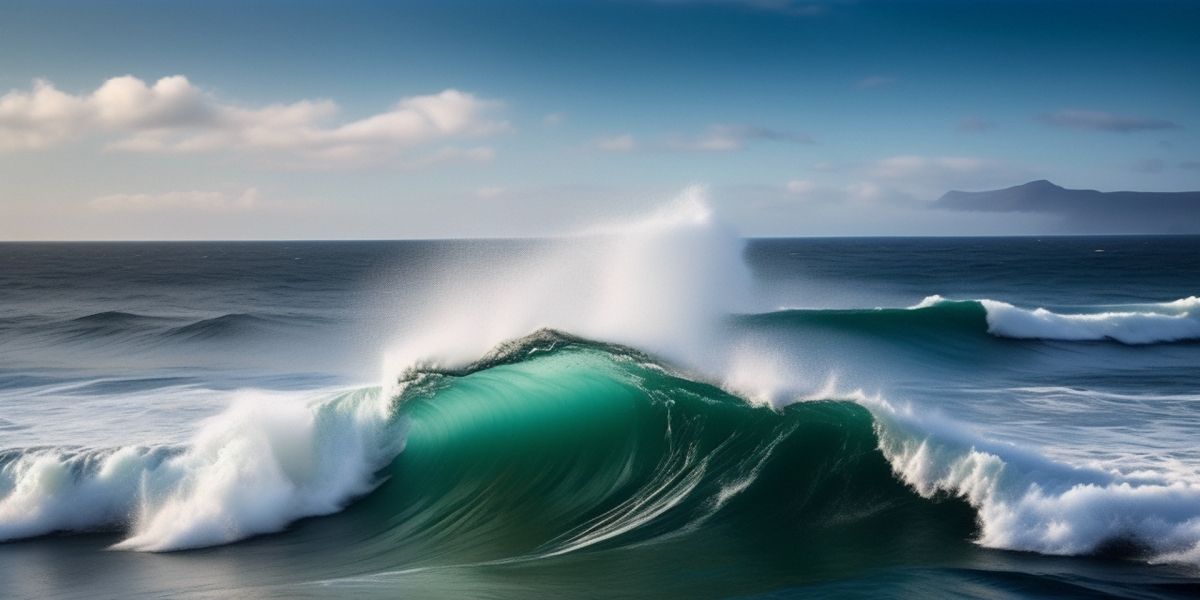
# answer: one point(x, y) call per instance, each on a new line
point(258, 466)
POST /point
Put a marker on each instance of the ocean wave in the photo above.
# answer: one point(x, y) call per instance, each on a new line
point(224, 326)
point(1135, 324)
point(1028, 502)
point(142, 330)
point(553, 444)
point(586, 444)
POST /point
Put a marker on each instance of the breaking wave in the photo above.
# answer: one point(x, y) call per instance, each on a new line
point(552, 444)
point(1132, 324)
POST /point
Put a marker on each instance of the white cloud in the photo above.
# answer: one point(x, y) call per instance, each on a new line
point(554, 119)
point(620, 143)
point(175, 116)
point(825, 166)
point(1091, 120)
point(195, 200)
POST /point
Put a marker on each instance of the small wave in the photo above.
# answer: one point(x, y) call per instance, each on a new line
point(224, 326)
point(933, 316)
point(1149, 325)
point(1137, 324)
point(140, 331)
point(108, 325)
point(1133, 324)
point(112, 316)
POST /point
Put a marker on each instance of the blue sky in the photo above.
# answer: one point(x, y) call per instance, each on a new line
point(282, 120)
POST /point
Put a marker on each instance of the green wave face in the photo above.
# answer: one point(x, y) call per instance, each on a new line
point(565, 453)
point(965, 318)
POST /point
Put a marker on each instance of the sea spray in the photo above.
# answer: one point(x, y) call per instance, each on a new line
point(661, 283)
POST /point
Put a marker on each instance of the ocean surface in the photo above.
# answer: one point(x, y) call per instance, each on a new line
point(654, 409)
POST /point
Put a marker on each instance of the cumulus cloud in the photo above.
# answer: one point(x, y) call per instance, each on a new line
point(195, 200)
point(554, 119)
point(1090, 120)
point(175, 116)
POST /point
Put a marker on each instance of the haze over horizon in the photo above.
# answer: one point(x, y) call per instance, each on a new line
point(134, 120)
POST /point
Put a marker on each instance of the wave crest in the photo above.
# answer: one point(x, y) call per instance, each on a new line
point(253, 469)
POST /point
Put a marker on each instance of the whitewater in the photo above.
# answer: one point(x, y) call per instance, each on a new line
point(647, 408)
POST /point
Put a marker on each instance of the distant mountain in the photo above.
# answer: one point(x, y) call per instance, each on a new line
point(1088, 211)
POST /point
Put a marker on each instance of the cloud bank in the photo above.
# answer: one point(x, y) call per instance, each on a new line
point(175, 116)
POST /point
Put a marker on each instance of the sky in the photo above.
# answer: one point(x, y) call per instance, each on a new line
point(175, 119)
